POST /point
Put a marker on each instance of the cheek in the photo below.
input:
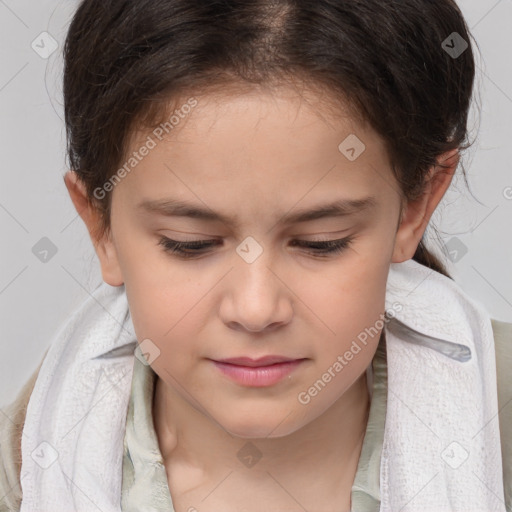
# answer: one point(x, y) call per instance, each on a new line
point(353, 313)
point(348, 298)
point(166, 313)
point(158, 290)
point(349, 305)
point(171, 313)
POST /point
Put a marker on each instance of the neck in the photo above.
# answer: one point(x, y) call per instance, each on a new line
point(320, 458)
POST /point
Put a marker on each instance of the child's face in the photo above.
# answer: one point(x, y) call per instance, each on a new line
point(255, 159)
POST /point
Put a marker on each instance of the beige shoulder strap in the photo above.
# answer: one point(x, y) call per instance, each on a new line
point(12, 419)
point(503, 349)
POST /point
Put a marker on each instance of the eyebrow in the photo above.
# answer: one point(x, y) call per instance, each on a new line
point(178, 208)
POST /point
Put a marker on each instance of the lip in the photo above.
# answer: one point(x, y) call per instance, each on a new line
point(262, 372)
point(261, 361)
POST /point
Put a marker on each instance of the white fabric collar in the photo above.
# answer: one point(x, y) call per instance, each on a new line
point(442, 448)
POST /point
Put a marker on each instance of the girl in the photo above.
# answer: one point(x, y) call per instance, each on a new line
point(272, 333)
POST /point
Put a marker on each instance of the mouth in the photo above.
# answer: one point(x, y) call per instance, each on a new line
point(261, 361)
point(265, 371)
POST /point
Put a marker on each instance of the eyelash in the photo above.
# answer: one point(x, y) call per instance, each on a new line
point(317, 248)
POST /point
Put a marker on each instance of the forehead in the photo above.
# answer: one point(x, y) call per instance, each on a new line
point(257, 145)
point(290, 109)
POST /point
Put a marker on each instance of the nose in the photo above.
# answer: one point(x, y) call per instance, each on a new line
point(256, 297)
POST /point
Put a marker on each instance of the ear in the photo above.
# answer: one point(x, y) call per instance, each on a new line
point(416, 214)
point(104, 246)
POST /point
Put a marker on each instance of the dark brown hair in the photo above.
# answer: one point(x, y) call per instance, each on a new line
point(127, 63)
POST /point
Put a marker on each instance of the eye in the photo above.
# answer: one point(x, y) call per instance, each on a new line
point(187, 250)
point(325, 248)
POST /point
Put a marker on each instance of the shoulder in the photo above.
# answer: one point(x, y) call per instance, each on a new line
point(503, 336)
point(12, 419)
point(503, 348)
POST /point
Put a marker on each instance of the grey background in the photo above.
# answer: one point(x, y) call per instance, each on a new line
point(37, 297)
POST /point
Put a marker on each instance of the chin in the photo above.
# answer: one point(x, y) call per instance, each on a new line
point(257, 427)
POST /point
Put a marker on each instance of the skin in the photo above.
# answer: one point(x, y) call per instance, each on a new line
point(254, 157)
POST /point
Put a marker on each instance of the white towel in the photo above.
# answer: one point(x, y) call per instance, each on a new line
point(441, 448)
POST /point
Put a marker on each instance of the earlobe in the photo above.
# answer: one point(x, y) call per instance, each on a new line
point(104, 245)
point(110, 269)
point(416, 214)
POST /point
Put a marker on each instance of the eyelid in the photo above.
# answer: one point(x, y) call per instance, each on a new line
point(324, 237)
point(202, 237)
point(327, 250)
point(298, 238)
